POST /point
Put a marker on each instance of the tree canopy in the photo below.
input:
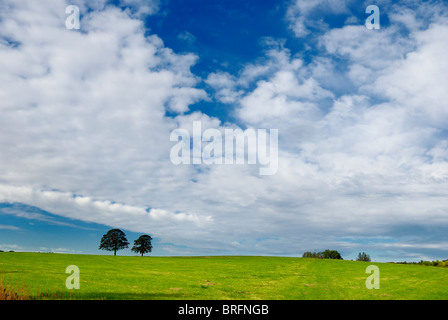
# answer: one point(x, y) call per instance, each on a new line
point(362, 256)
point(114, 240)
point(143, 244)
point(331, 254)
point(327, 254)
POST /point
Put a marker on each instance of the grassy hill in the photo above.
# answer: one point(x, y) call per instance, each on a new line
point(42, 276)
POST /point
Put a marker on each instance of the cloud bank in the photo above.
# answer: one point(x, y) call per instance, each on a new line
point(363, 150)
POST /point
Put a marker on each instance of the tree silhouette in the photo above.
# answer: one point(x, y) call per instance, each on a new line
point(114, 240)
point(363, 257)
point(142, 245)
point(331, 254)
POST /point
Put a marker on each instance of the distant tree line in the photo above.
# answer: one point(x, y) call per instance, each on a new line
point(435, 263)
point(333, 254)
point(309, 254)
point(327, 254)
point(115, 240)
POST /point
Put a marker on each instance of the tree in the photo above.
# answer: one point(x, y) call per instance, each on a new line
point(142, 245)
point(362, 256)
point(309, 254)
point(114, 240)
point(331, 254)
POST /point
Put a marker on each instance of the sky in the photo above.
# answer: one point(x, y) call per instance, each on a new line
point(86, 117)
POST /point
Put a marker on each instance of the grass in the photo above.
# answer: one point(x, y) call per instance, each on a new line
point(7, 293)
point(42, 276)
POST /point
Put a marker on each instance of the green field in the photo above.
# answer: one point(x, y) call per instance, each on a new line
point(42, 276)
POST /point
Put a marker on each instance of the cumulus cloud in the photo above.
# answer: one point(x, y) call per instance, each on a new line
point(303, 18)
point(364, 154)
point(363, 148)
point(418, 81)
point(87, 100)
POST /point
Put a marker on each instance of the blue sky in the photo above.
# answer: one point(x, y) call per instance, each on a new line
point(86, 118)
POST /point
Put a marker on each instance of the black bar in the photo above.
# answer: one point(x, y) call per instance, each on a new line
point(224, 309)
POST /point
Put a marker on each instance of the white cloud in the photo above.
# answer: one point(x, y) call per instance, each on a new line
point(8, 227)
point(58, 250)
point(84, 132)
point(418, 82)
point(10, 247)
point(368, 52)
point(361, 161)
point(225, 86)
point(98, 211)
point(302, 14)
point(141, 8)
